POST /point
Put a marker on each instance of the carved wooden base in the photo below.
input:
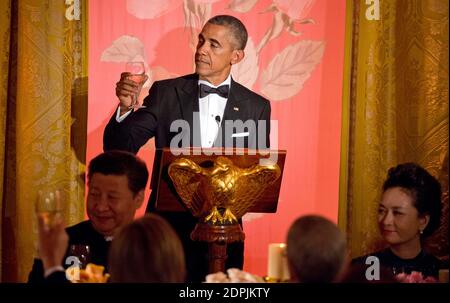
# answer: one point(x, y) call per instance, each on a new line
point(217, 237)
point(218, 233)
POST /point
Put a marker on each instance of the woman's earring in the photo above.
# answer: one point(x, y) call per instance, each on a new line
point(421, 232)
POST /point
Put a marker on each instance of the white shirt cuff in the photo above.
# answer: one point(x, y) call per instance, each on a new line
point(53, 269)
point(120, 118)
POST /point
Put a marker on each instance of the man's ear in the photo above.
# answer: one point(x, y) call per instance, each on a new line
point(139, 199)
point(238, 55)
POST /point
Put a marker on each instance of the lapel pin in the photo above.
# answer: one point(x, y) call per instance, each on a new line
point(236, 109)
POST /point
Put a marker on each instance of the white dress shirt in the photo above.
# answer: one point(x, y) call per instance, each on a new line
point(211, 106)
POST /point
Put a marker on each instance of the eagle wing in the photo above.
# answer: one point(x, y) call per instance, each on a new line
point(251, 185)
point(186, 176)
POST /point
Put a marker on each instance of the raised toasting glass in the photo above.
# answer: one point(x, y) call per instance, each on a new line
point(136, 73)
point(48, 207)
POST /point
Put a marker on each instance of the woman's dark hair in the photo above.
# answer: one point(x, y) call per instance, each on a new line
point(423, 188)
point(120, 163)
point(147, 251)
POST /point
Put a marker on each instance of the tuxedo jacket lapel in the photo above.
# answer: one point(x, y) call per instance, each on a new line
point(236, 109)
point(188, 98)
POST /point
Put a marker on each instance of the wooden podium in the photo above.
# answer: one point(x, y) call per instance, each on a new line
point(219, 235)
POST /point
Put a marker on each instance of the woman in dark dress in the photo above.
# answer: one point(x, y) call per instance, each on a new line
point(409, 211)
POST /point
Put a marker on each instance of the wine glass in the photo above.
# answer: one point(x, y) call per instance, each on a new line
point(48, 207)
point(136, 73)
point(82, 252)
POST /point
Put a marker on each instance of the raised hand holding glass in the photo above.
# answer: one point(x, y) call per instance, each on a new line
point(136, 73)
point(48, 207)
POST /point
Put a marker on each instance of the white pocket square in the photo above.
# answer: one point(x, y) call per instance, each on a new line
point(238, 135)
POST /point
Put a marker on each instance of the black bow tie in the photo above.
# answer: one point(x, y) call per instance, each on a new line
point(205, 90)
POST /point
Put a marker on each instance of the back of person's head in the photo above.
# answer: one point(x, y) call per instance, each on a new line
point(121, 163)
point(316, 250)
point(147, 250)
point(236, 27)
point(424, 189)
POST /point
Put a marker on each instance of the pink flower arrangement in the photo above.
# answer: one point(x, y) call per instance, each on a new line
point(414, 277)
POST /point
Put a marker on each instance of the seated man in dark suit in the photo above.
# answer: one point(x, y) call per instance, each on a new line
point(116, 184)
point(211, 109)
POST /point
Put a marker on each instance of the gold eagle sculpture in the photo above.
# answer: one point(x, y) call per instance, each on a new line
point(222, 193)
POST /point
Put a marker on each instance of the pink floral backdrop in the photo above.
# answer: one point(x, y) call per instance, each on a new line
point(294, 57)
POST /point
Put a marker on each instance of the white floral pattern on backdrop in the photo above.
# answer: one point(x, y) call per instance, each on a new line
point(287, 71)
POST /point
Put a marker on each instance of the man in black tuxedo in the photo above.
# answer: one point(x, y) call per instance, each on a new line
point(116, 185)
point(209, 107)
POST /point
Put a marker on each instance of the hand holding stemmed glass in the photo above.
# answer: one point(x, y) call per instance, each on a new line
point(130, 85)
point(52, 237)
point(49, 208)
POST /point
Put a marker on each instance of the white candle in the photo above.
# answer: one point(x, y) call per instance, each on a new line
point(443, 275)
point(277, 267)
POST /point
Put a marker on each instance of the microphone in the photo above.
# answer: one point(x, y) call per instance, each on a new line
point(218, 127)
